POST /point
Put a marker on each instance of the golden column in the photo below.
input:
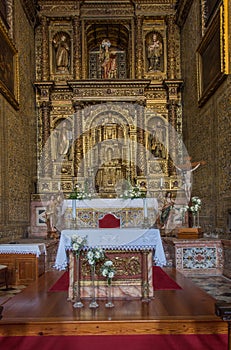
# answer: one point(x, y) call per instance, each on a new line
point(139, 48)
point(173, 87)
point(141, 158)
point(45, 50)
point(76, 49)
point(78, 137)
point(84, 50)
point(46, 143)
point(171, 48)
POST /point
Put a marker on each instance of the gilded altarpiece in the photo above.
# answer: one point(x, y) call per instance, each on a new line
point(109, 98)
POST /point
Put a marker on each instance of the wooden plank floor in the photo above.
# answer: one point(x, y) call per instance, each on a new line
point(36, 311)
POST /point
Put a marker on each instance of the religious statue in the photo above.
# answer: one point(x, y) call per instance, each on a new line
point(154, 53)
point(62, 141)
point(156, 140)
point(186, 172)
point(52, 215)
point(108, 60)
point(62, 53)
point(166, 209)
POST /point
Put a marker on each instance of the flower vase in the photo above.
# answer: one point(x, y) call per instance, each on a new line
point(194, 220)
point(198, 221)
point(93, 304)
point(183, 220)
point(78, 303)
point(109, 302)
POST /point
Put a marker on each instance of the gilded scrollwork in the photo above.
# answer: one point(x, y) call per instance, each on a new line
point(101, 102)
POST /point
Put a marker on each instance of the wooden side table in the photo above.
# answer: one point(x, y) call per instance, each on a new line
point(4, 270)
point(189, 233)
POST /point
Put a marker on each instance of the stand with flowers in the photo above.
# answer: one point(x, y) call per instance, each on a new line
point(94, 256)
point(108, 271)
point(78, 194)
point(78, 243)
point(195, 208)
point(138, 192)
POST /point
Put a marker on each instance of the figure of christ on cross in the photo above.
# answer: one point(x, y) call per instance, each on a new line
point(186, 172)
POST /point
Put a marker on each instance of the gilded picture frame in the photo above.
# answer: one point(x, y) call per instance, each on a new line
point(212, 62)
point(9, 84)
point(211, 7)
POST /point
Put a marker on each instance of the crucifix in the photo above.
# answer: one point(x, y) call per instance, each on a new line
point(186, 170)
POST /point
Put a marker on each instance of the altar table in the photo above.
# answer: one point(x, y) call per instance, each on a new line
point(87, 212)
point(105, 203)
point(125, 238)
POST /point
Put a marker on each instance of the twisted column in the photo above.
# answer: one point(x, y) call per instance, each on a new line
point(76, 48)
point(46, 166)
point(45, 48)
point(171, 47)
point(139, 47)
point(78, 137)
point(141, 159)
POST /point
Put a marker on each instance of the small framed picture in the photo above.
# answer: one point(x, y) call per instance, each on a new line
point(9, 83)
point(212, 60)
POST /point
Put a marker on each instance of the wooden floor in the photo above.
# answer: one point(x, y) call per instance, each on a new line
point(36, 311)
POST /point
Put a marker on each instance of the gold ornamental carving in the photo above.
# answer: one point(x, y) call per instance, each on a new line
point(104, 104)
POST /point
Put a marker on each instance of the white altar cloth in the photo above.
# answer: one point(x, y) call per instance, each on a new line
point(112, 203)
point(120, 239)
point(35, 248)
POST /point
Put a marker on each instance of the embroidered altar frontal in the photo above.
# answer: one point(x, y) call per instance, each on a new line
point(133, 278)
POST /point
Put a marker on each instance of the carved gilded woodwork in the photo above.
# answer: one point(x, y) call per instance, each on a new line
point(108, 116)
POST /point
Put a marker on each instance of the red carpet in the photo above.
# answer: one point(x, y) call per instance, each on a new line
point(115, 342)
point(161, 281)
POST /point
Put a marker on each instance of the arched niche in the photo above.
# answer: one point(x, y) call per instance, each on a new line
point(61, 53)
point(107, 149)
point(157, 137)
point(154, 51)
point(108, 51)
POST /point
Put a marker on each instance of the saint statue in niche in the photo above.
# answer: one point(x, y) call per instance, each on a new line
point(107, 60)
point(62, 141)
point(62, 52)
point(157, 141)
point(154, 52)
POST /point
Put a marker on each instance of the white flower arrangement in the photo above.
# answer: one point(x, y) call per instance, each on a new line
point(78, 243)
point(95, 255)
point(80, 194)
point(108, 271)
point(133, 192)
point(196, 205)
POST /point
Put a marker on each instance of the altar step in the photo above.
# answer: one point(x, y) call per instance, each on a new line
point(188, 310)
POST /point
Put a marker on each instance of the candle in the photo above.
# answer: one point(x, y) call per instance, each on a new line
point(59, 186)
point(145, 208)
point(161, 182)
point(73, 209)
